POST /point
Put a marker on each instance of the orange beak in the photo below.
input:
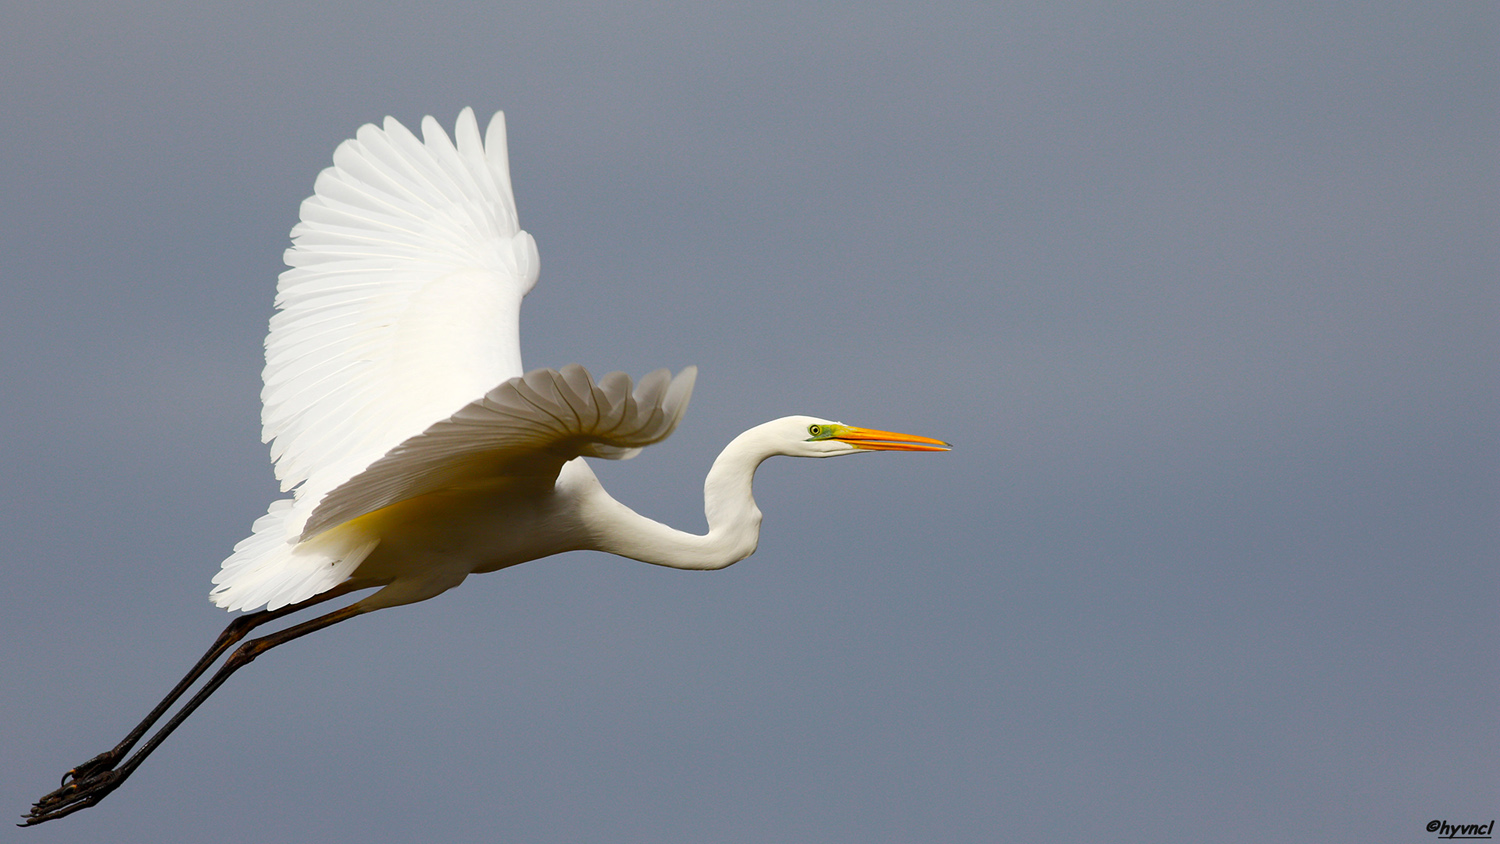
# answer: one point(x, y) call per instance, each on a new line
point(873, 440)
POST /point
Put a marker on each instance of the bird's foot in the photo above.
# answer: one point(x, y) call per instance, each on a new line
point(82, 787)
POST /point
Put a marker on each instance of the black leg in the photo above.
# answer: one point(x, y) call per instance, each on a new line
point(87, 784)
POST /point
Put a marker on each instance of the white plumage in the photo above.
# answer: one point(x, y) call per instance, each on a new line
point(401, 305)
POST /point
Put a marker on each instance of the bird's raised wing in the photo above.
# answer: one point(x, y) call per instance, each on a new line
point(527, 427)
point(402, 303)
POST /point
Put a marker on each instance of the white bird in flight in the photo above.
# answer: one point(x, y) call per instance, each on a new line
point(414, 450)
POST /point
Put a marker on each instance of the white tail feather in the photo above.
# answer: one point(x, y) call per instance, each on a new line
point(270, 568)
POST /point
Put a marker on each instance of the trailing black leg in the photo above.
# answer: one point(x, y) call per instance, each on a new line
point(88, 783)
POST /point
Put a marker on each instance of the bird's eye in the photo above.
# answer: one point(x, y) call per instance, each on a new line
point(815, 429)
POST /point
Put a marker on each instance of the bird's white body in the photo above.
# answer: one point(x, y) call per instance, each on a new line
point(415, 450)
point(426, 545)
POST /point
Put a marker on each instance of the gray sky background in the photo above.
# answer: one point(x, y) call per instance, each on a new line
point(1205, 295)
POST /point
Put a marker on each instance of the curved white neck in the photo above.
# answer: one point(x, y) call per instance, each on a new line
point(728, 502)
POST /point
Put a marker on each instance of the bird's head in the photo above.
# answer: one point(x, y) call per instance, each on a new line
point(809, 436)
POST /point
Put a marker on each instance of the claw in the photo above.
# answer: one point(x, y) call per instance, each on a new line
point(87, 786)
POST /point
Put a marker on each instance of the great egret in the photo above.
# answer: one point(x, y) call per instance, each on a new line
point(401, 305)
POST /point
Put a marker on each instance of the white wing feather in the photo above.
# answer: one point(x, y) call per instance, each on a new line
point(402, 302)
point(525, 428)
